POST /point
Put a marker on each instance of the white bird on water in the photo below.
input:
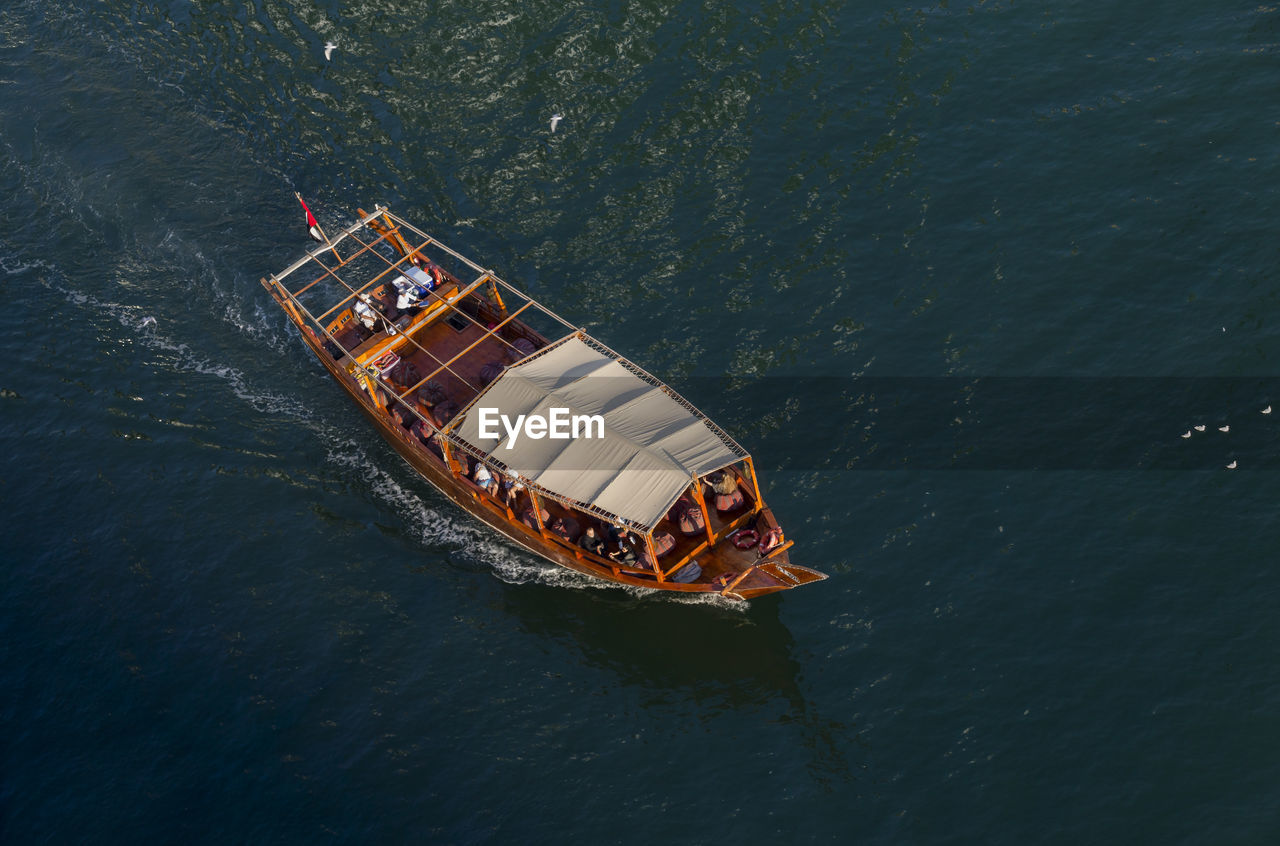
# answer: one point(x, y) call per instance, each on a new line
point(1186, 434)
point(556, 118)
point(1200, 428)
point(1232, 465)
point(1266, 410)
point(1224, 428)
point(329, 47)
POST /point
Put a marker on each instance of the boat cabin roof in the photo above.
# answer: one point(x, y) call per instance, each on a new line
point(646, 449)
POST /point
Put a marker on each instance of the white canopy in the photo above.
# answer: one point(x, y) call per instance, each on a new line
point(652, 445)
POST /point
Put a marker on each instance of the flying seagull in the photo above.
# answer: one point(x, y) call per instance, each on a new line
point(1186, 434)
point(556, 118)
point(1200, 428)
point(329, 47)
point(1266, 410)
point(1232, 465)
point(1224, 428)
point(147, 321)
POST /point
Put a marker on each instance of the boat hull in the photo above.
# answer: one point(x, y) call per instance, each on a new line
point(758, 578)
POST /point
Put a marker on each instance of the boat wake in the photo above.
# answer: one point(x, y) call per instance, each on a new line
point(429, 526)
point(181, 357)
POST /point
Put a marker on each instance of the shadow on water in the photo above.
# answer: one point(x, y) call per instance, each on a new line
point(725, 660)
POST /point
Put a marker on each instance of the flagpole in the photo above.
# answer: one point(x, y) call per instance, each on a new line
point(313, 226)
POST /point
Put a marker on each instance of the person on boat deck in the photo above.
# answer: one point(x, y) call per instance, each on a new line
point(413, 287)
point(422, 430)
point(626, 551)
point(484, 479)
point(511, 488)
point(722, 483)
point(591, 541)
point(366, 313)
point(725, 487)
point(396, 412)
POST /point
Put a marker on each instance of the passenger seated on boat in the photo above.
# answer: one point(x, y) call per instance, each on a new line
point(511, 488)
point(687, 517)
point(485, 479)
point(366, 313)
point(592, 542)
point(625, 554)
point(412, 288)
point(566, 528)
point(728, 495)
point(528, 519)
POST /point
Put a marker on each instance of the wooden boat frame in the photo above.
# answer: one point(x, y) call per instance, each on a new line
point(479, 305)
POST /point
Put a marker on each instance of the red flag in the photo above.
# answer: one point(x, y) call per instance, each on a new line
point(312, 226)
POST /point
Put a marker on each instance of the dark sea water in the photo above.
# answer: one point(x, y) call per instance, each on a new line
point(958, 275)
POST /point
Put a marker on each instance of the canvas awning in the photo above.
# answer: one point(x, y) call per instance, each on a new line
point(652, 446)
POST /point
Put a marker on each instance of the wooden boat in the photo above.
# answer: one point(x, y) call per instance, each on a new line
point(436, 351)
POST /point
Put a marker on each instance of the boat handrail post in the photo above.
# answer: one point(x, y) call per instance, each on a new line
point(755, 484)
point(536, 504)
point(653, 557)
point(706, 515)
point(449, 461)
point(493, 286)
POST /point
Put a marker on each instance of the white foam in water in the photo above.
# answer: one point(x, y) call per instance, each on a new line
point(151, 333)
point(13, 266)
point(190, 262)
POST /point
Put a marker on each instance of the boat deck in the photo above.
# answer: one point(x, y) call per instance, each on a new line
point(432, 345)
